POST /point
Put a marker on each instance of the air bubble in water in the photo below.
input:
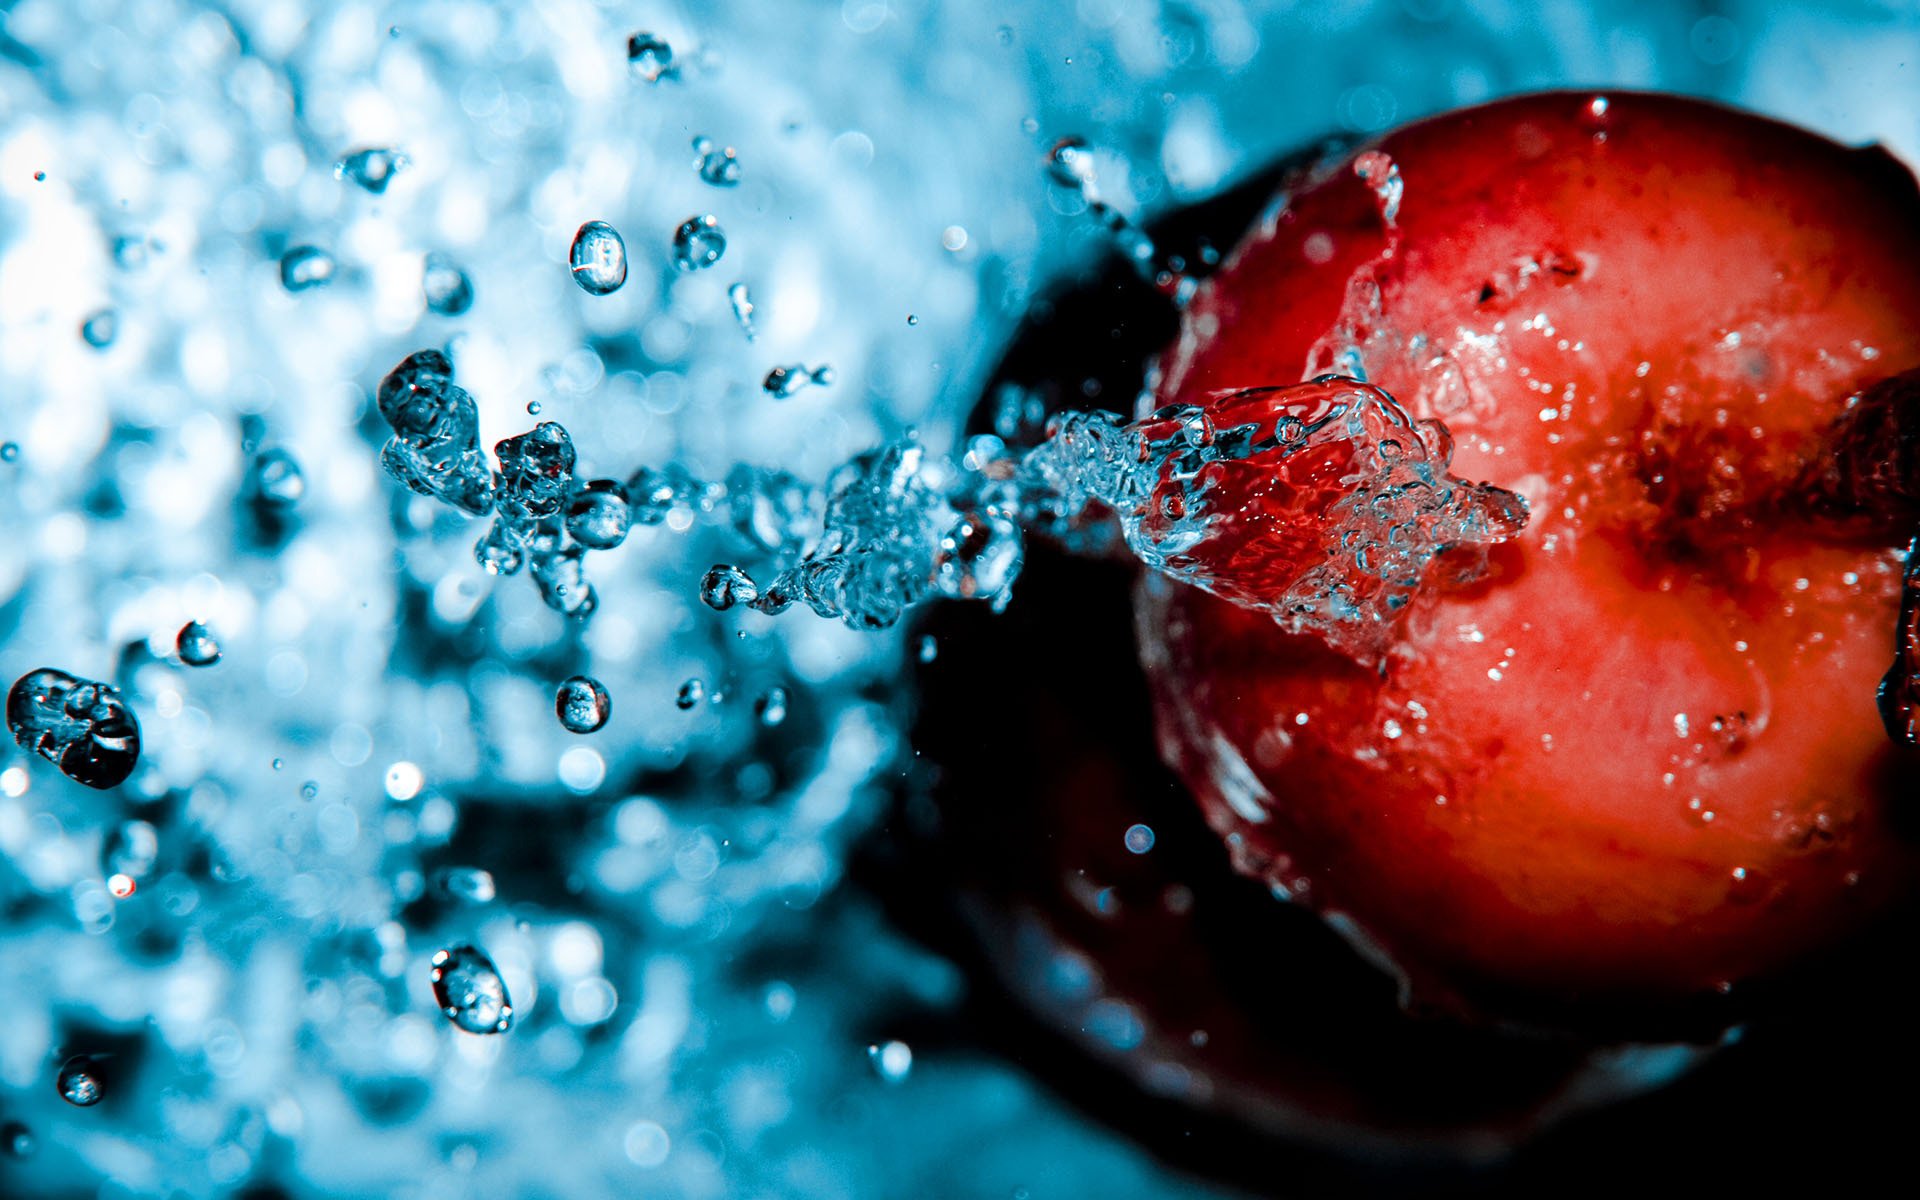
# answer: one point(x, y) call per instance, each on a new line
point(84, 728)
point(582, 704)
point(698, 243)
point(598, 258)
point(783, 382)
point(469, 990)
point(772, 707)
point(598, 514)
point(79, 1082)
point(373, 169)
point(979, 557)
point(196, 646)
point(650, 57)
point(469, 885)
point(892, 1061)
point(277, 479)
point(716, 164)
point(99, 329)
point(742, 303)
point(447, 289)
point(305, 267)
point(691, 693)
point(724, 586)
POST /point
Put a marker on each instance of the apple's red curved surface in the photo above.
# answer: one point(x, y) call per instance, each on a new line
point(1639, 762)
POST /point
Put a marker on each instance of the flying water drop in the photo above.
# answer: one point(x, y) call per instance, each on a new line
point(772, 707)
point(582, 704)
point(742, 303)
point(598, 259)
point(373, 169)
point(691, 693)
point(277, 480)
point(599, 514)
point(1381, 174)
point(196, 646)
point(469, 990)
point(650, 57)
point(447, 289)
point(698, 243)
point(79, 1082)
point(892, 1061)
point(716, 164)
point(782, 382)
point(17, 1141)
point(99, 329)
point(724, 586)
point(84, 728)
point(305, 267)
point(469, 885)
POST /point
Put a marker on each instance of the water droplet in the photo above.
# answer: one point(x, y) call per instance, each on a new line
point(196, 646)
point(1070, 164)
point(9, 451)
point(698, 243)
point(979, 557)
point(277, 479)
point(598, 514)
point(305, 267)
point(742, 303)
point(716, 164)
point(39, 176)
point(650, 57)
point(725, 586)
point(498, 551)
point(469, 990)
point(929, 648)
point(84, 728)
point(772, 707)
point(100, 329)
point(447, 289)
point(598, 258)
point(582, 704)
point(783, 382)
point(469, 885)
point(1139, 838)
point(912, 320)
point(17, 1141)
point(691, 693)
point(892, 1061)
point(130, 252)
point(373, 169)
point(79, 1082)
point(1382, 176)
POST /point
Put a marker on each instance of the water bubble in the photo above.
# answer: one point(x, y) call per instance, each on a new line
point(469, 990)
point(724, 586)
point(650, 57)
point(84, 728)
point(742, 303)
point(979, 557)
point(892, 1061)
point(1139, 838)
point(99, 329)
point(783, 382)
point(79, 1082)
point(598, 514)
point(277, 479)
point(469, 885)
point(691, 693)
point(196, 646)
point(716, 164)
point(17, 1141)
point(582, 704)
point(373, 169)
point(598, 258)
point(772, 707)
point(698, 243)
point(305, 267)
point(447, 289)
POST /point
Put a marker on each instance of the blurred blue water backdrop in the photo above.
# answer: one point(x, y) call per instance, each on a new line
point(222, 224)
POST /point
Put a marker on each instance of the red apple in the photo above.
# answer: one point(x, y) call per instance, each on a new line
point(1639, 762)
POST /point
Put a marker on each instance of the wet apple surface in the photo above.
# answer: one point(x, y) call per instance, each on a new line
point(1638, 762)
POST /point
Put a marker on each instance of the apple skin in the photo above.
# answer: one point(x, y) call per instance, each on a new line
point(1637, 765)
